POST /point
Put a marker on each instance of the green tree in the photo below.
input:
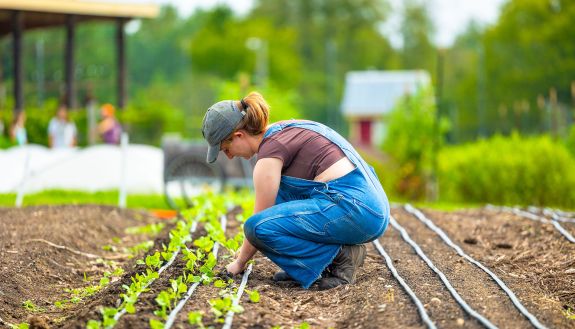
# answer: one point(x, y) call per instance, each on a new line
point(417, 52)
point(160, 48)
point(332, 37)
point(460, 85)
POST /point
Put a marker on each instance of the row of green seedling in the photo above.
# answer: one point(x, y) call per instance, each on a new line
point(79, 294)
point(155, 265)
point(224, 304)
point(199, 268)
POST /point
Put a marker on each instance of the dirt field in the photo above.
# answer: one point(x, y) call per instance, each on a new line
point(532, 258)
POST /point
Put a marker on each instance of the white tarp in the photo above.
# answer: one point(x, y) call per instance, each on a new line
point(95, 168)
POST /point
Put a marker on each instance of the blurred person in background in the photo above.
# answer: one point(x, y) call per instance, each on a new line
point(18, 133)
point(62, 132)
point(316, 200)
point(109, 129)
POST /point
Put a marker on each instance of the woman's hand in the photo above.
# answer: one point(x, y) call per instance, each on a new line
point(235, 267)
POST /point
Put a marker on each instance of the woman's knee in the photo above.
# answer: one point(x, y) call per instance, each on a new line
point(250, 229)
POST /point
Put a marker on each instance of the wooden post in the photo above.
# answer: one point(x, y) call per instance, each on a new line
point(2, 93)
point(70, 98)
point(572, 115)
point(525, 116)
point(121, 62)
point(69, 87)
point(503, 117)
point(554, 111)
point(541, 115)
point(517, 116)
point(17, 27)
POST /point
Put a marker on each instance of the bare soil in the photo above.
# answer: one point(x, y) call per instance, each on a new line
point(532, 258)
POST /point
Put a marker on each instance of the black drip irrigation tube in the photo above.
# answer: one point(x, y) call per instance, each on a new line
point(174, 313)
point(429, 223)
point(236, 300)
point(230, 315)
point(559, 215)
point(123, 311)
point(529, 215)
point(486, 323)
point(420, 308)
point(566, 216)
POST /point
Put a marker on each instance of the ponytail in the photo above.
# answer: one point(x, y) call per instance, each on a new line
point(257, 113)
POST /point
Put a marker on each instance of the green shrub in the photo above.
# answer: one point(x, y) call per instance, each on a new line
point(385, 171)
point(508, 170)
point(410, 143)
point(570, 140)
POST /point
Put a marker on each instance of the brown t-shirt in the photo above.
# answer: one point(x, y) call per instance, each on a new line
point(305, 153)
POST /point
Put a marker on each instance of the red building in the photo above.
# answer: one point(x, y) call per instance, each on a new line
point(370, 95)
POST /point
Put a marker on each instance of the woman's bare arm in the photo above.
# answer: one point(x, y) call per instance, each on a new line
point(267, 176)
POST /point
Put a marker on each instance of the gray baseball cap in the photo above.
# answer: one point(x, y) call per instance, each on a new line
point(219, 122)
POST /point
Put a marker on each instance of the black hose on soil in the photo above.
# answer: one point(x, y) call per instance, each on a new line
point(421, 217)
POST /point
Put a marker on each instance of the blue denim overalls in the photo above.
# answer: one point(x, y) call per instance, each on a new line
point(303, 232)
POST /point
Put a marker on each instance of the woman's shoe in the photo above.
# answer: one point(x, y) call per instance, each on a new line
point(282, 276)
point(345, 266)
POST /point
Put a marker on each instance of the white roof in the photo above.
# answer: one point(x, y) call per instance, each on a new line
point(369, 93)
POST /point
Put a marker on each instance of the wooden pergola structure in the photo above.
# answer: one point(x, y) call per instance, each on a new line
point(17, 16)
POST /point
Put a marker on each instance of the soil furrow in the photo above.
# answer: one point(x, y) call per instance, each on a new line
point(440, 305)
point(475, 286)
point(532, 258)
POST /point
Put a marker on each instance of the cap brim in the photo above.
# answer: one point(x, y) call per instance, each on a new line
point(213, 151)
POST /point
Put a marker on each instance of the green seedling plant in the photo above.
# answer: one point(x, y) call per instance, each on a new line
point(156, 324)
point(129, 299)
point(254, 295)
point(209, 208)
point(195, 319)
point(167, 299)
point(569, 313)
point(205, 243)
point(109, 247)
point(78, 294)
point(151, 261)
point(108, 320)
point(30, 306)
point(223, 305)
point(207, 269)
point(178, 238)
point(149, 230)
point(142, 247)
point(138, 285)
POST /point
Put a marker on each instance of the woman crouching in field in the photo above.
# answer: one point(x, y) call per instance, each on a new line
point(317, 201)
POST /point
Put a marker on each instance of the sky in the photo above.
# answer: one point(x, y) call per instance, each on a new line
point(451, 17)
